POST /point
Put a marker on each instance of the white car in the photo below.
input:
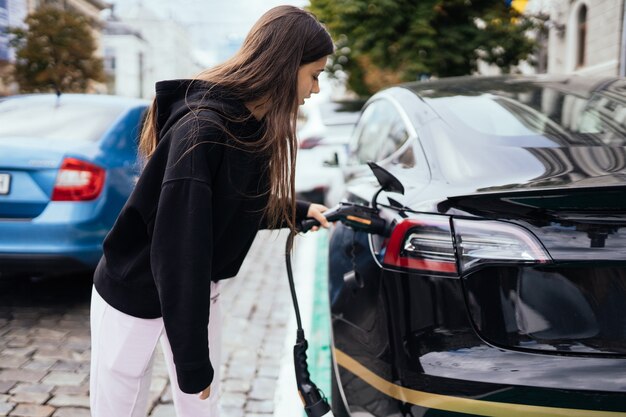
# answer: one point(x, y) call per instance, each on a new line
point(324, 130)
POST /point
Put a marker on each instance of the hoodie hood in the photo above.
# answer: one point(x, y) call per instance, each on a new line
point(175, 98)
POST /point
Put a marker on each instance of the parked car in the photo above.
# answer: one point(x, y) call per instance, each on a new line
point(323, 135)
point(67, 166)
point(501, 290)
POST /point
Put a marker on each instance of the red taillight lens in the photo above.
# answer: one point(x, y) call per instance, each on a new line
point(78, 181)
point(310, 143)
point(423, 244)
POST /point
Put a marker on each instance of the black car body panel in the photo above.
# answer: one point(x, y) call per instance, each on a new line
point(451, 324)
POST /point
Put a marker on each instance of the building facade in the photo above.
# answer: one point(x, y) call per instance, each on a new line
point(587, 37)
point(125, 52)
point(4, 24)
point(141, 48)
point(12, 14)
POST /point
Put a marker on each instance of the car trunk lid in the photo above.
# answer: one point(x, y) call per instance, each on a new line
point(574, 304)
point(28, 169)
point(573, 224)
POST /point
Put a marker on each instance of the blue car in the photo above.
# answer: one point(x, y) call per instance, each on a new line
point(67, 165)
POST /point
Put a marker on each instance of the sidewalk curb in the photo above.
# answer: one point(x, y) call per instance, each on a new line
point(286, 399)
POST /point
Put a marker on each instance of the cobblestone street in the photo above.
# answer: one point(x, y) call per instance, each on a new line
point(45, 351)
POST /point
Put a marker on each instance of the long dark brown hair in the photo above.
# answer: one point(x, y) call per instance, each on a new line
point(266, 67)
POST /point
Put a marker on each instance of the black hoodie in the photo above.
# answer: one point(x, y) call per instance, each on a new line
point(190, 220)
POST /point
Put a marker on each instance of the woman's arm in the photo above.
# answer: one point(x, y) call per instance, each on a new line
point(181, 252)
point(181, 256)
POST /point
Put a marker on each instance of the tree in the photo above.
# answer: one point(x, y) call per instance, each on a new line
point(381, 42)
point(55, 53)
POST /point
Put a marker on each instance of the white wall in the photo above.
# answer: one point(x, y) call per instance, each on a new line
point(126, 51)
point(168, 48)
point(164, 44)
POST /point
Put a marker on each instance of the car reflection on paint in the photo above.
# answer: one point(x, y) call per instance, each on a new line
point(67, 166)
point(502, 289)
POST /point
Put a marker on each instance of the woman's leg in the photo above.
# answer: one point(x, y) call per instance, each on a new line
point(122, 351)
point(189, 405)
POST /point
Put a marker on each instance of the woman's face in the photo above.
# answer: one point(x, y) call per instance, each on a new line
point(308, 79)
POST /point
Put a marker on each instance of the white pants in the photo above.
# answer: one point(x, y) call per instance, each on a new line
point(122, 353)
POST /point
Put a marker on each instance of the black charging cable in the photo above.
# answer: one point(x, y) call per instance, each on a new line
point(359, 218)
point(315, 403)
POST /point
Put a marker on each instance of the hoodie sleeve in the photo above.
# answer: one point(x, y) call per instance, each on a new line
point(181, 253)
point(302, 209)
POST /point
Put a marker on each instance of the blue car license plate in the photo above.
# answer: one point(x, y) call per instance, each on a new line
point(5, 181)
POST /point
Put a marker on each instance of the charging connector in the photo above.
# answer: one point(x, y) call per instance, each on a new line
point(357, 217)
point(315, 403)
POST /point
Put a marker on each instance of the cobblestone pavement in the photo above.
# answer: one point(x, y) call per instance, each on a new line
point(44, 342)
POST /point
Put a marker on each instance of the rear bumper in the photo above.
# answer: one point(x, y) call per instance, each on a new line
point(50, 248)
point(427, 394)
point(440, 338)
point(37, 264)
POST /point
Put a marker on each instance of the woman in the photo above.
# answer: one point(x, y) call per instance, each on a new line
point(220, 155)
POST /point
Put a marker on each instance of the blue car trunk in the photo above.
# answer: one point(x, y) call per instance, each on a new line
point(30, 169)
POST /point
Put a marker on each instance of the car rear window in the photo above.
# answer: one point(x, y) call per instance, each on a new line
point(55, 119)
point(565, 119)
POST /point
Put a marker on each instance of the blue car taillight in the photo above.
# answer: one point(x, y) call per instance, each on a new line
point(78, 180)
point(425, 243)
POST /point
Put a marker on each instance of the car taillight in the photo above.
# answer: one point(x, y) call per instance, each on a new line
point(424, 243)
point(78, 181)
point(487, 241)
point(310, 143)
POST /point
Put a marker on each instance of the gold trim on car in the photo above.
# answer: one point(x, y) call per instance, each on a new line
point(458, 404)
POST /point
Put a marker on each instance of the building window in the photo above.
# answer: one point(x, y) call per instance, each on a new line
point(141, 65)
point(4, 37)
point(109, 60)
point(582, 36)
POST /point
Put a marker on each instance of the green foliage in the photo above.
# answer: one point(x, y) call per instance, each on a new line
point(382, 42)
point(55, 53)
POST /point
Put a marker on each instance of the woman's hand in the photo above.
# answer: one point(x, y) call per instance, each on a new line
point(205, 393)
point(316, 212)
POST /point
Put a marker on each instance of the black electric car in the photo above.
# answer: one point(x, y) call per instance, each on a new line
point(500, 288)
